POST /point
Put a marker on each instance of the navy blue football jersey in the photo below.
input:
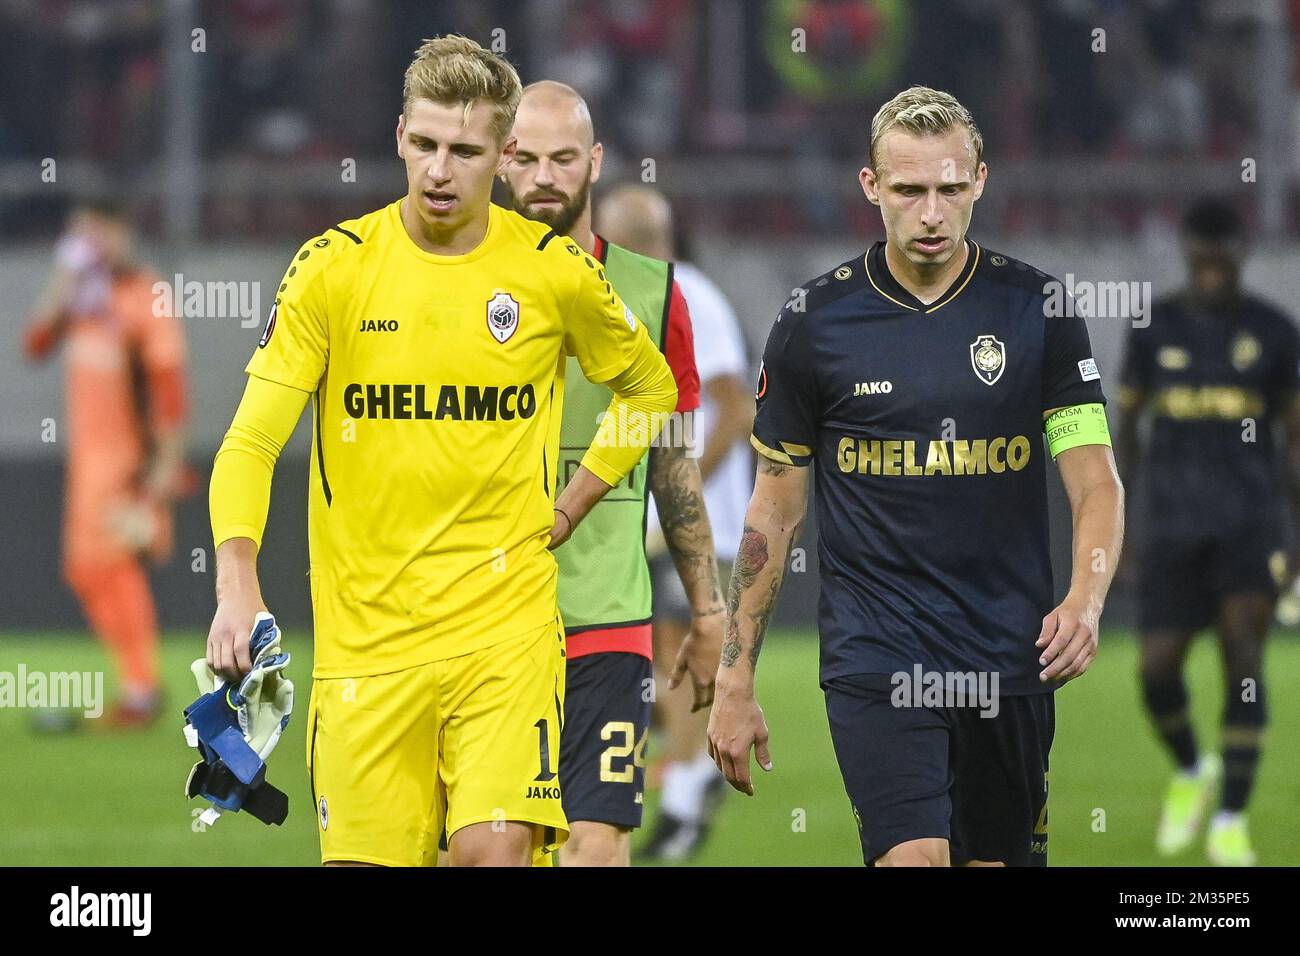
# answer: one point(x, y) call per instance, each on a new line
point(924, 425)
point(1213, 387)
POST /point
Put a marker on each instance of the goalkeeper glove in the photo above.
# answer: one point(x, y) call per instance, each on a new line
point(235, 728)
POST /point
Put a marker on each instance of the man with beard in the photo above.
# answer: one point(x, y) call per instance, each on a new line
point(432, 335)
point(604, 591)
point(691, 789)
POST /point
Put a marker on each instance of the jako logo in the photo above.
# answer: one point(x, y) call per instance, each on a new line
point(103, 909)
point(873, 388)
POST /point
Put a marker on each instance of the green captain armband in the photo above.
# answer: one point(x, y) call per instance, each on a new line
point(1077, 425)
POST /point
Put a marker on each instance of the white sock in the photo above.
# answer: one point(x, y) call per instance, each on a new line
point(676, 793)
point(684, 783)
point(1225, 818)
point(704, 767)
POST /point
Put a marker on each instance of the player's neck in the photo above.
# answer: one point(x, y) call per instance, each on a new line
point(927, 283)
point(453, 241)
point(582, 232)
point(1213, 306)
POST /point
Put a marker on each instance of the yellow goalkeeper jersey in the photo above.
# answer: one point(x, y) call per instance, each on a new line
point(438, 384)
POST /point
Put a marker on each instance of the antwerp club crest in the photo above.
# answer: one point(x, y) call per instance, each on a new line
point(502, 316)
point(988, 357)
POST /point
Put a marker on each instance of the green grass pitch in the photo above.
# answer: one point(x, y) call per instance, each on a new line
point(101, 799)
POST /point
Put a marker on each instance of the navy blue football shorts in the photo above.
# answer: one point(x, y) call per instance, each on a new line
point(607, 701)
point(1181, 581)
point(916, 772)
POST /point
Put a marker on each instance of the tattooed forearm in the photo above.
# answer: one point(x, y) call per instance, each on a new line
point(772, 523)
point(679, 496)
point(751, 559)
point(731, 643)
point(760, 615)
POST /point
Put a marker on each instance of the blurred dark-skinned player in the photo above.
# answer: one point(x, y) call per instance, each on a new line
point(1211, 377)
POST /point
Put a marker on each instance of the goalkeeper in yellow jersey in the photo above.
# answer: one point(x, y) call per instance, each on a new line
point(432, 338)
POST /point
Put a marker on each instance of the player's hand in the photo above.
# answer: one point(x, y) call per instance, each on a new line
point(735, 725)
point(228, 638)
point(698, 655)
point(132, 521)
point(560, 530)
point(1068, 640)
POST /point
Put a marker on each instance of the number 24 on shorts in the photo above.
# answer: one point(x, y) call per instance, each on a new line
point(630, 746)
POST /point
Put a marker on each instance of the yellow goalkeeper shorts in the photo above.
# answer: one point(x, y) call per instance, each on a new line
point(474, 739)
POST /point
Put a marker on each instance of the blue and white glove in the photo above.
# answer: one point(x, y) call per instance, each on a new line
point(236, 728)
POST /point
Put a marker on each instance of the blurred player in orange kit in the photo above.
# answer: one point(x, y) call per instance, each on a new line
point(124, 430)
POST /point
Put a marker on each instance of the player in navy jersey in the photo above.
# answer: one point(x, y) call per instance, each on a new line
point(1213, 373)
point(917, 380)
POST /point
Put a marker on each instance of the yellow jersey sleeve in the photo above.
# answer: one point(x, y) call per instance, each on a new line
point(644, 392)
point(599, 330)
point(294, 347)
point(239, 494)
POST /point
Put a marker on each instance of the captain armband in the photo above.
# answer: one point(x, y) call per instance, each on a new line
point(1077, 425)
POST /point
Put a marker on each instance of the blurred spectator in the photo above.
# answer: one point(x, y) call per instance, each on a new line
point(291, 88)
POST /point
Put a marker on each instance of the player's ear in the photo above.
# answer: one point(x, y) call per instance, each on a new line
point(507, 153)
point(401, 132)
point(870, 186)
point(597, 157)
point(981, 174)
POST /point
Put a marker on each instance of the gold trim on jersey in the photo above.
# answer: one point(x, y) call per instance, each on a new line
point(883, 293)
point(969, 268)
point(782, 456)
point(1221, 402)
point(965, 282)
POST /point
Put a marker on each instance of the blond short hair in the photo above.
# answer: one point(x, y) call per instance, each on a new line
point(456, 70)
point(922, 111)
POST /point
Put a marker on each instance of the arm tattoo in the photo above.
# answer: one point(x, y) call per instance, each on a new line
point(731, 644)
point(750, 561)
point(766, 466)
point(679, 497)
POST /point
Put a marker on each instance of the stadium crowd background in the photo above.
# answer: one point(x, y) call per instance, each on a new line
point(287, 87)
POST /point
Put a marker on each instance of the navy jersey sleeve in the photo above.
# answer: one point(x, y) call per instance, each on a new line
point(1136, 374)
point(1284, 382)
point(785, 421)
point(1070, 375)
